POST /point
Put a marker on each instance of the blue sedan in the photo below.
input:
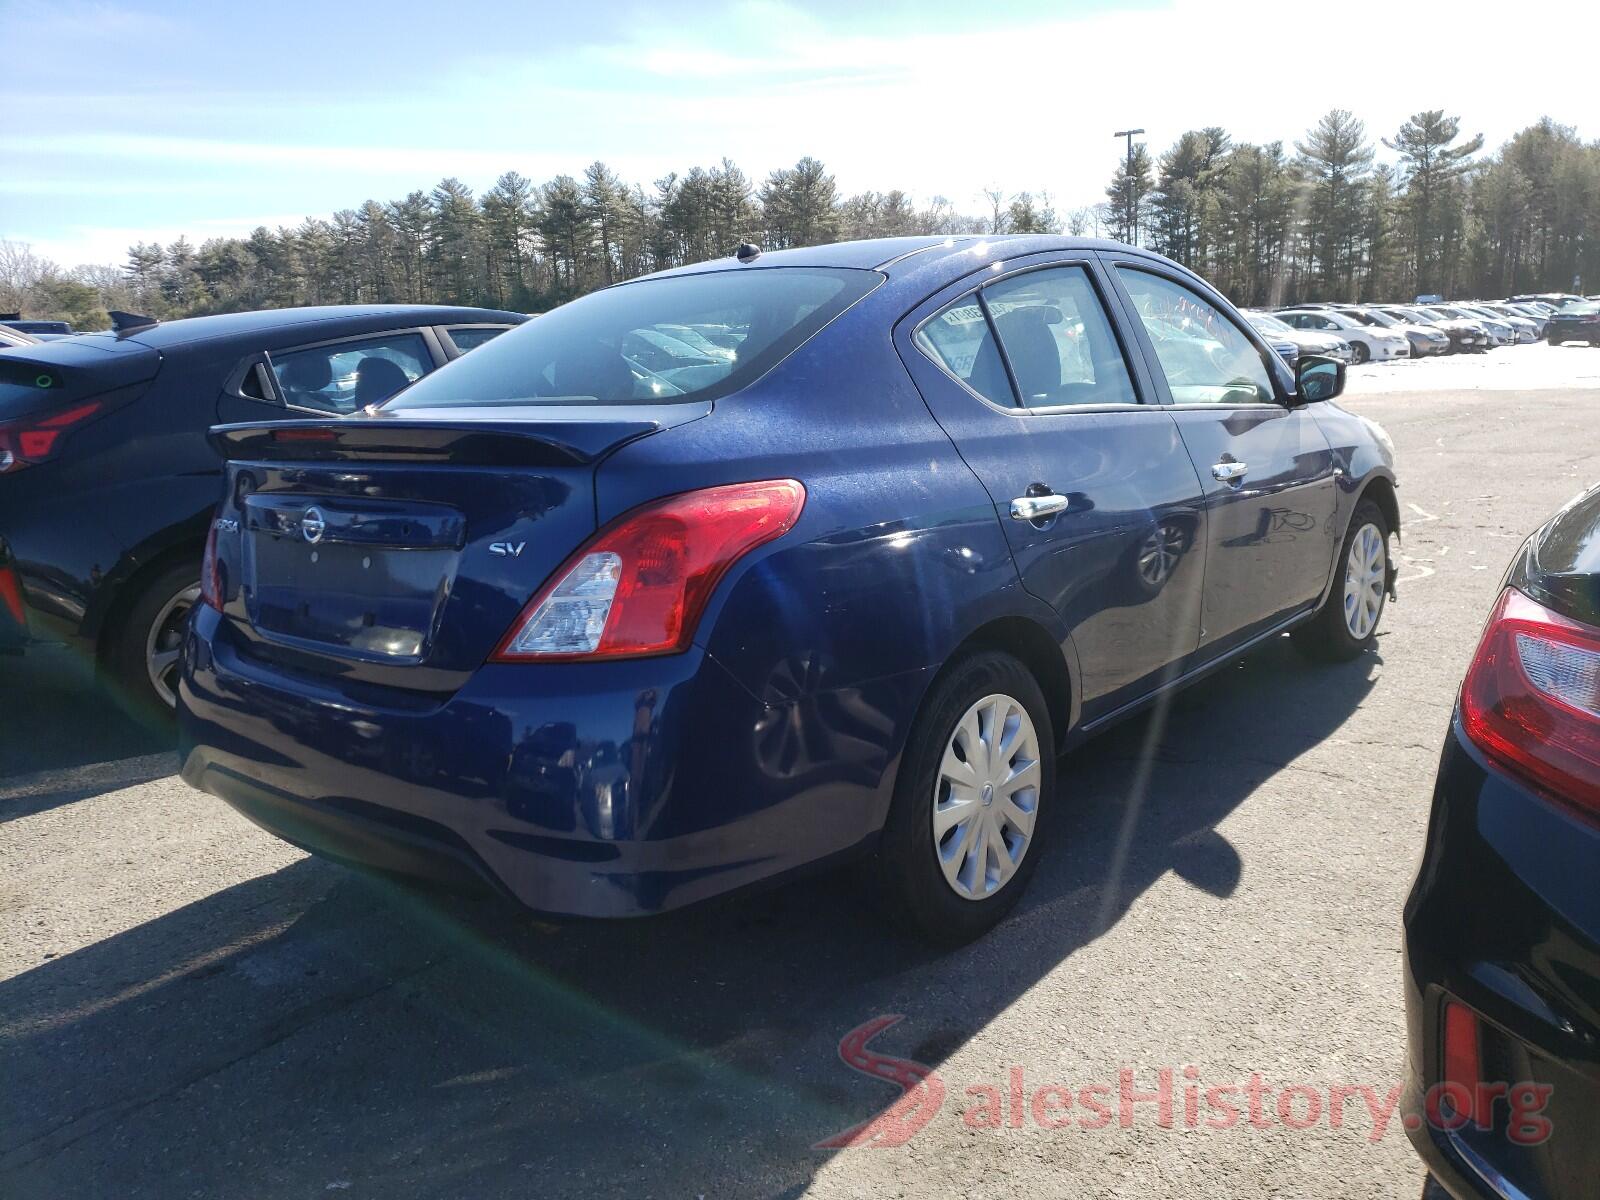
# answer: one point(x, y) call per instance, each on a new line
point(758, 565)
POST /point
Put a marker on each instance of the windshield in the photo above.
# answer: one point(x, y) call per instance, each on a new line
point(1359, 317)
point(683, 337)
point(1265, 321)
point(1373, 317)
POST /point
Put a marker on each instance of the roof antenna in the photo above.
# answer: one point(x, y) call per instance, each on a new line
point(747, 252)
point(126, 322)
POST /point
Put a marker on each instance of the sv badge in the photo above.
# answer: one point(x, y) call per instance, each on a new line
point(507, 549)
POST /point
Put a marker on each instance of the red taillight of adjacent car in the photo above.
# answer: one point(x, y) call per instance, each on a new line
point(211, 573)
point(32, 440)
point(11, 595)
point(639, 586)
point(1531, 699)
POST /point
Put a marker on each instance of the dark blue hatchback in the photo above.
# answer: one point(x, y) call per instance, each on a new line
point(734, 570)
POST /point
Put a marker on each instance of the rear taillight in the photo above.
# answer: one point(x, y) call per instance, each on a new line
point(211, 573)
point(33, 440)
point(1531, 699)
point(11, 594)
point(638, 586)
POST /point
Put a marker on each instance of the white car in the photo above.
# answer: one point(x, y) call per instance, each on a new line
point(1371, 344)
point(1424, 339)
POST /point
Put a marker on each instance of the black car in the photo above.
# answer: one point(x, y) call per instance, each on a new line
point(1575, 323)
point(1502, 953)
point(36, 328)
point(107, 482)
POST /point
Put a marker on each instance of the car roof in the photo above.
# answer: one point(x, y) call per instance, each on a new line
point(360, 318)
point(902, 253)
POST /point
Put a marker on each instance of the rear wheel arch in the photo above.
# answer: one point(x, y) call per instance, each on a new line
point(113, 620)
point(1032, 645)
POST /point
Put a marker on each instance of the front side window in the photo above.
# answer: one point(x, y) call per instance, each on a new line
point(347, 376)
point(1058, 339)
point(1205, 357)
point(682, 337)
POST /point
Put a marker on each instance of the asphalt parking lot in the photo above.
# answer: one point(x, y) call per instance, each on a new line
point(191, 1008)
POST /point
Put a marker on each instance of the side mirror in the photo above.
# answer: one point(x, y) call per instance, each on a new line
point(1317, 378)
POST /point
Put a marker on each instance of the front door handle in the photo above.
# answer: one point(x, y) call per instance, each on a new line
point(1034, 508)
point(1229, 471)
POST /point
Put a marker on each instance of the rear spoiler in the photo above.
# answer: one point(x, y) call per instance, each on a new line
point(547, 442)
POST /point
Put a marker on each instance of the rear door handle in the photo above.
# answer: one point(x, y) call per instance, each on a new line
point(1229, 471)
point(1033, 508)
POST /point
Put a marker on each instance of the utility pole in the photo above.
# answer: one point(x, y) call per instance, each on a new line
point(1131, 217)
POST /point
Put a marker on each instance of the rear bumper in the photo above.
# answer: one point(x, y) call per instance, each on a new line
point(583, 789)
point(1504, 918)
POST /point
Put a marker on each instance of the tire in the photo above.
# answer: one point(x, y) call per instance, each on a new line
point(153, 626)
point(951, 905)
point(1332, 635)
point(1360, 352)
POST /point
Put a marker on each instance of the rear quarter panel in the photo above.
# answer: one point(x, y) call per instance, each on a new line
point(839, 627)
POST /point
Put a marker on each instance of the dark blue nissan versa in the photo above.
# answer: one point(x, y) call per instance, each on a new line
point(741, 568)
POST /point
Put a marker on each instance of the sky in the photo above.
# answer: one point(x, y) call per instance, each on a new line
point(124, 122)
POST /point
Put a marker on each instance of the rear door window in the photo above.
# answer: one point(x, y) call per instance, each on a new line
point(344, 377)
point(677, 338)
point(1058, 339)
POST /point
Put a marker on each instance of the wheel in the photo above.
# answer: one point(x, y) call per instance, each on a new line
point(976, 783)
point(1347, 623)
point(142, 662)
point(1360, 352)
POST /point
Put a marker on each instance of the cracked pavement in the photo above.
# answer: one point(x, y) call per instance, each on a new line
point(191, 1008)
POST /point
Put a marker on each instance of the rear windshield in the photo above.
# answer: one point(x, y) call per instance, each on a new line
point(686, 337)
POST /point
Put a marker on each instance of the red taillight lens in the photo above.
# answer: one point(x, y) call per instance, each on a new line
point(34, 439)
point(639, 586)
point(1531, 699)
point(211, 573)
point(11, 594)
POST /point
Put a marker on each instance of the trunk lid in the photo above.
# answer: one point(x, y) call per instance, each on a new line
point(397, 552)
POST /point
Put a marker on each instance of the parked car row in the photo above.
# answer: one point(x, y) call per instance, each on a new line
point(1362, 333)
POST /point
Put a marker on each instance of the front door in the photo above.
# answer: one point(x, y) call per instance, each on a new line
point(1268, 471)
point(1092, 483)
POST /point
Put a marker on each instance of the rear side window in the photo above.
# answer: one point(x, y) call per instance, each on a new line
point(1058, 339)
point(346, 376)
point(684, 337)
point(959, 339)
point(473, 336)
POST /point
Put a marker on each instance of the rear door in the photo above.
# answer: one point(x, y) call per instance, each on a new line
point(1100, 503)
point(1267, 469)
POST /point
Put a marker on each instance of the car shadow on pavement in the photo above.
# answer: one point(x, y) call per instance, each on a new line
point(55, 715)
point(311, 1030)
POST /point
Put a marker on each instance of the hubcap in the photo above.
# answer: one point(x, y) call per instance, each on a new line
point(1364, 580)
point(987, 797)
point(164, 642)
